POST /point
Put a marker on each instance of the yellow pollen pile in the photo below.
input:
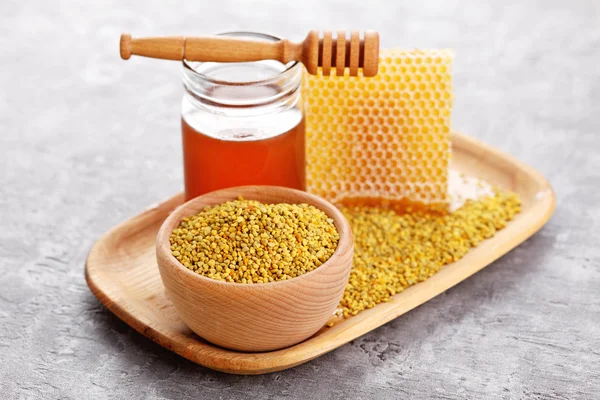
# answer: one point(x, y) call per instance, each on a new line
point(394, 251)
point(382, 137)
point(245, 241)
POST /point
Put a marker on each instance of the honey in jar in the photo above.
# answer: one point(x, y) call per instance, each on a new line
point(242, 124)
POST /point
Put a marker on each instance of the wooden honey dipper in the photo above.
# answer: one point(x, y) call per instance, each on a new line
point(313, 52)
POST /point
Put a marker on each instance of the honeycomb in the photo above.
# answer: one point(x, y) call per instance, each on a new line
point(386, 137)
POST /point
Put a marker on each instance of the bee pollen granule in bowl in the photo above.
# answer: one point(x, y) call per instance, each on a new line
point(259, 316)
point(245, 241)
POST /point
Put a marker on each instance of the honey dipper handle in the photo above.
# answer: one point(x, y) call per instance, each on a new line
point(209, 48)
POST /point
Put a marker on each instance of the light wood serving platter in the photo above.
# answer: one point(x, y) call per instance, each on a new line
point(121, 271)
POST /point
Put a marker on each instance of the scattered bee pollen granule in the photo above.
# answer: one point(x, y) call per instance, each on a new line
point(245, 241)
point(394, 251)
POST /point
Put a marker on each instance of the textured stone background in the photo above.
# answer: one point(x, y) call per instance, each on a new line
point(87, 140)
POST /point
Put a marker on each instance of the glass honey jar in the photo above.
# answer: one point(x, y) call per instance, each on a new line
point(242, 124)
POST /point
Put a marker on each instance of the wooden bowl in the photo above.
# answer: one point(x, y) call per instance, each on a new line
point(257, 317)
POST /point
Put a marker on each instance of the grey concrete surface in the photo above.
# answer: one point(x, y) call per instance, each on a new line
point(87, 140)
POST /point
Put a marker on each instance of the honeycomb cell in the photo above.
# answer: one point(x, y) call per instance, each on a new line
point(386, 136)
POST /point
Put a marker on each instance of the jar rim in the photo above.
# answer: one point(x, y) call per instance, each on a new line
point(290, 67)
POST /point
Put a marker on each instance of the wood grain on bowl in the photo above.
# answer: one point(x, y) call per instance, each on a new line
point(256, 317)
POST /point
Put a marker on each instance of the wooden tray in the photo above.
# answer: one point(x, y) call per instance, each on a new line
point(121, 271)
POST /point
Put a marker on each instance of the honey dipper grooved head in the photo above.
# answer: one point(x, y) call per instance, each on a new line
point(125, 46)
point(370, 53)
point(342, 52)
